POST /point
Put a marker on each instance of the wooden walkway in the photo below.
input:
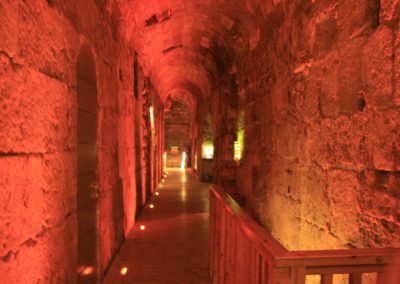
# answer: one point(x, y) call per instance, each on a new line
point(173, 247)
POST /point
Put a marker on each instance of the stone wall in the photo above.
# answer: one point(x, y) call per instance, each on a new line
point(40, 42)
point(321, 95)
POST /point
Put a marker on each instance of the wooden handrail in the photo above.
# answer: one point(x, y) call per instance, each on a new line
point(244, 252)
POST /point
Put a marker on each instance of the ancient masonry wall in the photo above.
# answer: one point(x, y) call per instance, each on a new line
point(39, 46)
point(321, 96)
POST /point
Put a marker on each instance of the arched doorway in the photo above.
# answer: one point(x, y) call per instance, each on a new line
point(87, 165)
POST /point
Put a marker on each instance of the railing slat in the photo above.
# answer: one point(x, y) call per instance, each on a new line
point(326, 279)
point(355, 278)
point(300, 275)
point(344, 269)
point(241, 251)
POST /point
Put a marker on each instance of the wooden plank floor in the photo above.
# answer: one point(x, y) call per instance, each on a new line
point(173, 248)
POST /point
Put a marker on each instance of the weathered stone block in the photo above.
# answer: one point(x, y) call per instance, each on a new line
point(351, 85)
point(43, 196)
point(284, 227)
point(397, 66)
point(382, 140)
point(357, 18)
point(40, 39)
point(314, 202)
point(380, 208)
point(290, 139)
point(334, 144)
point(37, 113)
point(47, 257)
point(389, 10)
point(343, 192)
point(378, 58)
point(326, 36)
point(329, 87)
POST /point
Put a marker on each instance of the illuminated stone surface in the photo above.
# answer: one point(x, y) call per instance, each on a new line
point(318, 83)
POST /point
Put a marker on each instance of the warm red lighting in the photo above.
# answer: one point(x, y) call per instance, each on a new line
point(87, 271)
point(151, 206)
point(123, 270)
point(157, 194)
point(160, 185)
point(142, 227)
point(183, 162)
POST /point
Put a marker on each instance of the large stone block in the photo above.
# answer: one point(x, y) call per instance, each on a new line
point(38, 113)
point(333, 144)
point(357, 17)
point(289, 139)
point(314, 202)
point(380, 207)
point(42, 196)
point(36, 36)
point(342, 193)
point(382, 140)
point(326, 36)
point(397, 66)
point(351, 82)
point(47, 257)
point(328, 100)
point(389, 10)
point(378, 58)
point(284, 227)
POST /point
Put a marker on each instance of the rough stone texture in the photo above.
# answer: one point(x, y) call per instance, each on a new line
point(38, 110)
point(397, 65)
point(378, 57)
point(318, 82)
point(320, 95)
point(224, 110)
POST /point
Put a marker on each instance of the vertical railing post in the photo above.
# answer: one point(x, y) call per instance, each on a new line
point(327, 279)
point(355, 278)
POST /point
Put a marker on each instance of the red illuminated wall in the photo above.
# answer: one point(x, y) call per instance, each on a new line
point(39, 46)
point(320, 92)
point(318, 82)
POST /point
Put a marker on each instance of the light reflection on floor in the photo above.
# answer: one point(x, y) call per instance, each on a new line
point(173, 248)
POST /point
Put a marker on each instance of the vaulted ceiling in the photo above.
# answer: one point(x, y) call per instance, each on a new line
point(185, 45)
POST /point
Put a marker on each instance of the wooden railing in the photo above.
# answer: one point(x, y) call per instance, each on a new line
point(242, 252)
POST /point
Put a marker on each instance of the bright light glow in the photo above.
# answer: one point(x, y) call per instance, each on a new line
point(160, 185)
point(165, 161)
point(237, 151)
point(183, 178)
point(183, 163)
point(123, 270)
point(183, 186)
point(208, 150)
point(157, 193)
point(151, 206)
point(238, 145)
point(152, 118)
point(142, 227)
point(87, 271)
point(162, 180)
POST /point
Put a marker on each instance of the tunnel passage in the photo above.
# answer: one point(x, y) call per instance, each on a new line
point(178, 123)
point(87, 166)
point(317, 85)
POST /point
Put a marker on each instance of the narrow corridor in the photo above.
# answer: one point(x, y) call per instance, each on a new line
point(290, 109)
point(173, 247)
